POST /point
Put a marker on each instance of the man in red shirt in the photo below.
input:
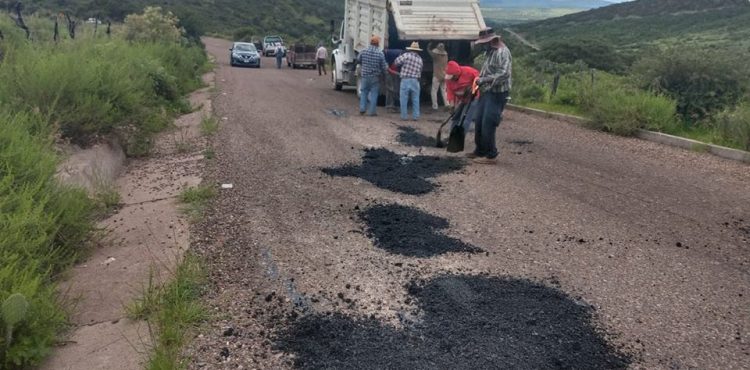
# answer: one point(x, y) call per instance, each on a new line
point(459, 81)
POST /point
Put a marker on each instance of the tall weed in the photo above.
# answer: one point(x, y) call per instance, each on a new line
point(43, 226)
point(734, 126)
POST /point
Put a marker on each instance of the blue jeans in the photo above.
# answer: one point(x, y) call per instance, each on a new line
point(489, 115)
point(278, 62)
point(409, 86)
point(370, 89)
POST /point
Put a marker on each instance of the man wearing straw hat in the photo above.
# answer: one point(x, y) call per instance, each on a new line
point(494, 83)
point(411, 71)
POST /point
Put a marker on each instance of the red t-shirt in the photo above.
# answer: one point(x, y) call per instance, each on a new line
point(456, 88)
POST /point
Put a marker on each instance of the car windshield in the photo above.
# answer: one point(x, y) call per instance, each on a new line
point(244, 47)
point(273, 40)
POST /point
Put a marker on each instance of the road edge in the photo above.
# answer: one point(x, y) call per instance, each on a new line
point(653, 136)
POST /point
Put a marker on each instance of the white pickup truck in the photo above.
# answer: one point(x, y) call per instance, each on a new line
point(456, 23)
point(270, 43)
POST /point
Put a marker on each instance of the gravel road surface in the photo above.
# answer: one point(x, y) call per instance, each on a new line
point(577, 250)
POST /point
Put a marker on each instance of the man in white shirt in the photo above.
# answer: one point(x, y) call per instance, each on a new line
point(322, 56)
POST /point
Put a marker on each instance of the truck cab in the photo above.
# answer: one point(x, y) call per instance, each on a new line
point(455, 23)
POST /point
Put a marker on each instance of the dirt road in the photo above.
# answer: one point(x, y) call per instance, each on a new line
point(345, 244)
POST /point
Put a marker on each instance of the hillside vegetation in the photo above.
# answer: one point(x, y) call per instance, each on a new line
point(243, 19)
point(666, 65)
point(633, 27)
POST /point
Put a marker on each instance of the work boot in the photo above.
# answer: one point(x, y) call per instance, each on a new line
point(485, 160)
point(471, 155)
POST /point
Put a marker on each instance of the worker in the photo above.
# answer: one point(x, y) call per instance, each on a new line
point(321, 55)
point(494, 81)
point(392, 80)
point(279, 54)
point(372, 67)
point(459, 81)
point(410, 64)
point(439, 62)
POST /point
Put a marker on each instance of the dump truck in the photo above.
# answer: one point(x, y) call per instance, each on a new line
point(398, 23)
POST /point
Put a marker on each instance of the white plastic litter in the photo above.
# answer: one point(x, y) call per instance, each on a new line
point(227, 186)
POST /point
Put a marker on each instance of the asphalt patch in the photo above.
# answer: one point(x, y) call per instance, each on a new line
point(411, 137)
point(467, 322)
point(410, 232)
point(336, 112)
point(399, 173)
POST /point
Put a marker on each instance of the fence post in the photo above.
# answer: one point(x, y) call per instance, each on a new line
point(555, 83)
point(56, 35)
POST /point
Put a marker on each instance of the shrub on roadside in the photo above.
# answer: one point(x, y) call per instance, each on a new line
point(43, 226)
point(734, 125)
point(88, 89)
point(702, 82)
point(624, 111)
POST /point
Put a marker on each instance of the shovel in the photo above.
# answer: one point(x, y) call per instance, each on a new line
point(439, 137)
point(458, 133)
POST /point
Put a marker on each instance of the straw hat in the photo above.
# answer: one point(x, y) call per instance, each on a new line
point(375, 40)
point(414, 47)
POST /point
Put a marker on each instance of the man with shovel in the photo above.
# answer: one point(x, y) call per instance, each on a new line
point(494, 84)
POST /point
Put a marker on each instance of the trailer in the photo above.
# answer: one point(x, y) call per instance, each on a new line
point(456, 23)
point(302, 56)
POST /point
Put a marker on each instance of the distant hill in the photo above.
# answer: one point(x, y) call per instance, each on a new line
point(545, 4)
point(635, 26)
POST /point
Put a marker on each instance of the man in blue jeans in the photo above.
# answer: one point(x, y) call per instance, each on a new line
point(411, 71)
point(372, 66)
point(494, 84)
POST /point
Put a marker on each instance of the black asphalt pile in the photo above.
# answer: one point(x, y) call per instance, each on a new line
point(468, 322)
point(399, 173)
point(410, 232)
point(411, 137)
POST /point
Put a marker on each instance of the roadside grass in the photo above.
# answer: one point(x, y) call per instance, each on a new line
point(209, 125)
point(72, 91)
point(44, 226)
point(209, 154)
point(195, 199)
point(171, 310)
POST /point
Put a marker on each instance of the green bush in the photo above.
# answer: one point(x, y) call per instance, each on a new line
point(623, 111)
point(44, 226)
point(734, 125)
point(153, 25)
point(702, 81)
point(88, 89)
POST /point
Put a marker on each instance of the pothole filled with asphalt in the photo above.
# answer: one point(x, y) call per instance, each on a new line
point(411, 137)
point(399, 173)
point(410, 232)
point(466, 322)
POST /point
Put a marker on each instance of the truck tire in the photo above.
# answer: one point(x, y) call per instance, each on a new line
point(336, 85)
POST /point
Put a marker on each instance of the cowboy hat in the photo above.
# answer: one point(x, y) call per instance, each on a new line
point(486, 35)
point(414, 47)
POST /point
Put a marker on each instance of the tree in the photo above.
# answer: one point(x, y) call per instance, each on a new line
point(153, 25)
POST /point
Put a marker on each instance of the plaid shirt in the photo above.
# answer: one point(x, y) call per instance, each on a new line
point(497, 70)
point(373, 62)
point(411, 65)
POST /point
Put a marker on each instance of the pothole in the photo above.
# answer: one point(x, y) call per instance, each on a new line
point(468, 322)
point(399, 173)
point(410, 232)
